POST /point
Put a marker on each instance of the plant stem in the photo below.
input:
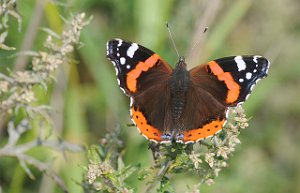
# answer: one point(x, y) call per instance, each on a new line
point(30, 34)
point(160, 174)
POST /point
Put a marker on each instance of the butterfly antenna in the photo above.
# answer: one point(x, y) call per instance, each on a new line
point(172, 39)
point(197, 42)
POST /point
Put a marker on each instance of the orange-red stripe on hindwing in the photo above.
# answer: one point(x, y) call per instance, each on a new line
point(144, 127)
point(203, 132)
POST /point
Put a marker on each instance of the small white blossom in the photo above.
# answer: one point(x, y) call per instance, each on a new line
point(26, 97)
point(195, 159)
point(93, 172)
point(223, 151)
point(233, 141)
point(216, 171)
point(210, 158)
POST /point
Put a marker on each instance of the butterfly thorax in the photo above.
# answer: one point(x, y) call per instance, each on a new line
point(179, 86)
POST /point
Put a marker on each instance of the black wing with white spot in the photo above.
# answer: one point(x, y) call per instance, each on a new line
point(121, 55)
point(246, 71)
point(131, 61)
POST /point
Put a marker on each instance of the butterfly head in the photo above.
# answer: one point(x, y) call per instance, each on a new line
point(181, 63)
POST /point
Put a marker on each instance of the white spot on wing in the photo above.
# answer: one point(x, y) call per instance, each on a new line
point(131, 50)
point(189, 142)
point(122, 89)
point(119, 42)
point(227, 113)
point(241, 80)
point(117, 72)
point(240, 63)
point(131, 102)
point(164, 141)
point(122, 60)
point(255, 58)
point(113, 62)
point(128, 66)
point(148, 138)
point(130, 111)
point(152, 140)
point(225, 122)
point(107, 49)
point(247, 96)
point(242, 102)
point(198, 140)
point(248, 75)
point(268, 67)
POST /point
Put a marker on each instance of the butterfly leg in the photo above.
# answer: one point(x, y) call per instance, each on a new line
point(155, 150)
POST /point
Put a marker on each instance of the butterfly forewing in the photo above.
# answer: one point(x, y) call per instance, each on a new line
point(245, 71)
point(144, 77)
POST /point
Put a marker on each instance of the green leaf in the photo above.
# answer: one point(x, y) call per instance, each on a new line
point(94, 154)
point(128, 170)
point(165, 186)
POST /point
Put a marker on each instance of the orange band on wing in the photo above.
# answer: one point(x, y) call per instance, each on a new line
point(233, 87)
point(134, 74)
point(147, 130)
point(207, 130)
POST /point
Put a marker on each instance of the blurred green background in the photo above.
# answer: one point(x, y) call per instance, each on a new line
point(89, 103)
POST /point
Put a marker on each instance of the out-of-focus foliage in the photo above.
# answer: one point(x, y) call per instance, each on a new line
point(88, 102)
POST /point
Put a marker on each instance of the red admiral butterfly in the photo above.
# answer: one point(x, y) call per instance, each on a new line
point(176, 104)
